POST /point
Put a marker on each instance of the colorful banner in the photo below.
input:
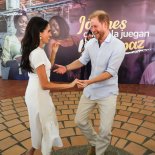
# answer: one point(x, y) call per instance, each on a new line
point(131, 21)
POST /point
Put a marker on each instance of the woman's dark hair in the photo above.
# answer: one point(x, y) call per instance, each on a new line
point(64, 28)
point(31, 40)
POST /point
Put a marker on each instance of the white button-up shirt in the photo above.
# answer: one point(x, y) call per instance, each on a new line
point(106, 58)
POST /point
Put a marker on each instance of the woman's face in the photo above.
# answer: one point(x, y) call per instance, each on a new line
point(21, 24)
point(45, 35)
point(55, 29)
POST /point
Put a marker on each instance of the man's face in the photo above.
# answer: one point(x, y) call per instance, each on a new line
point(98, 29)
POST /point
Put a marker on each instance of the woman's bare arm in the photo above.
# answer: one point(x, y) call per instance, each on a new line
point(45, 84)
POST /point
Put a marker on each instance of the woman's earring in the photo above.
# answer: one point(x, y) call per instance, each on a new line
point(40, 38)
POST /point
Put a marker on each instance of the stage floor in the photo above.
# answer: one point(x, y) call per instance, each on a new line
point(133, 128)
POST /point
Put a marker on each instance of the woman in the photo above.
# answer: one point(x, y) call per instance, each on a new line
point(67, 50)
point(42, 116)
point(11, 55)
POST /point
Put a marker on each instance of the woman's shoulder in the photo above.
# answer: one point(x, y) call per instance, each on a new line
point(37, 51)
point(10, 37)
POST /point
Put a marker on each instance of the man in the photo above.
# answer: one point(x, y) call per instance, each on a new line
point(85, 70)
point(89, 35)
point(106, 54)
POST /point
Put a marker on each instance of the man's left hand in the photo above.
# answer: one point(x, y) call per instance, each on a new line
point(82, 83)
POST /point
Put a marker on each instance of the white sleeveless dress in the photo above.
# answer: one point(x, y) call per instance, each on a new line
point(42, 116)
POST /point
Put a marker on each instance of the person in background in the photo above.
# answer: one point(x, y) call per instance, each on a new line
point(131, 69)
point(42, 116)
point(67, 50)
point(85, 70)
point(106, 54)
point(148, 76)
point(11, 55)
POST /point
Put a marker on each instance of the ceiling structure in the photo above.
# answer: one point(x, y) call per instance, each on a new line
point(26, 2)
point(34, 7)
point(44, 8)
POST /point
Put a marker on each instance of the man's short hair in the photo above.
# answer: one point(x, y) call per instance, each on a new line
point(101, 15)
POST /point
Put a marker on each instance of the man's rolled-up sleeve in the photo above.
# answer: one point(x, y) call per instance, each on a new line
point(116, 60)
point(85, 58)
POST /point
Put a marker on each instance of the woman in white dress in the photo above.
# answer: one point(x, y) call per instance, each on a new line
point(42, 116)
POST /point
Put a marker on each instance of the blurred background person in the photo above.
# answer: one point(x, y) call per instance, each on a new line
point(131, 68)
point(11, 55)
point(85, 70)
point(148, 76)
point(67, 50)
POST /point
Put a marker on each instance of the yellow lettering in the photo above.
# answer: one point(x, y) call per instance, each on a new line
point(82, 21)
point(126, 46)
point(123, 24)
point(141, 44)
point(87, 25)
point(134, 45)
point(117, 24)
point(110, 25)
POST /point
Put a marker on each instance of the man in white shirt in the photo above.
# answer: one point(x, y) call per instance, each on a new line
point(106, 53)
point(85, 70)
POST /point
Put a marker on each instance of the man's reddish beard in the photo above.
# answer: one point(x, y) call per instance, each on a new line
point(100, 35)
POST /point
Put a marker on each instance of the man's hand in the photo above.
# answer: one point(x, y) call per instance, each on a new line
point(82, 83)
point(60, 69)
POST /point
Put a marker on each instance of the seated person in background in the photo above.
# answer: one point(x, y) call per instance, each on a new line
point(131, 68)
point(85, 70)
point(148, 76)
point(67, 50)
point(11, 55)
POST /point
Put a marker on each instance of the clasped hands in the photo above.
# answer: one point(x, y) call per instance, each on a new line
point(63, 69)
point(80, 83)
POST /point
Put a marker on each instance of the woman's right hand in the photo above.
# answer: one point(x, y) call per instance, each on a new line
point(72, 84)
